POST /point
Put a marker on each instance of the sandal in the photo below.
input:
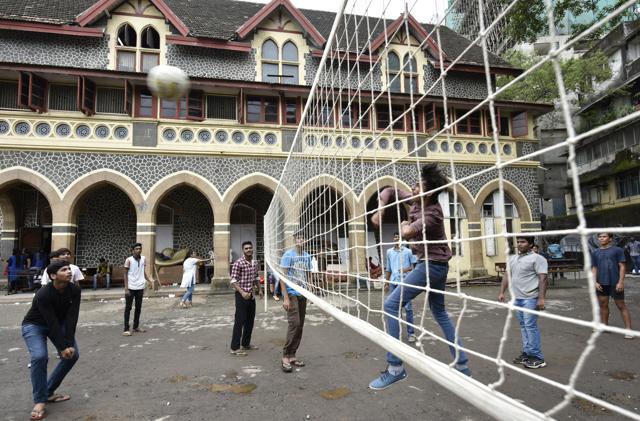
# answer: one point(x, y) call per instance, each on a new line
point(38, 415)
point(58, 398)
point(298, 363)
point(286, 367)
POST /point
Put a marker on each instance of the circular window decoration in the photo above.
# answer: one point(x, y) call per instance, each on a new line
point(270, 139)
point(169, 134)
point(326, 140)
point(4, 127)
point(458, 147)
point(63, 130)
point(102, 132)
point(82, 130)
point(254, 138)
point(43, 129)
point(22, 128)
point(120, 132)
point(311, 140)
point(221, 136)
point(237, 137)
point(483, 148)
point(493, 148)
point(187, 135)
point(444, 146)
point(506, 149)
point(369, 142)
point(383, 143)
point(204, 136)
point(397, 144)
point(355, 142)
point(471, 148)
point(432, 145)
point(340, 142)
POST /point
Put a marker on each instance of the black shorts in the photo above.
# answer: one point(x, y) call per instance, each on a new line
point(610, 291)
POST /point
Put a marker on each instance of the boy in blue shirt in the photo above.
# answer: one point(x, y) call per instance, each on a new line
point(608, 267)
point(400, 262)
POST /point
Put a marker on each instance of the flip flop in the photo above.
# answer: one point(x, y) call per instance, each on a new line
point(298, 363)
point(38, 415)
point(286, 367)
point(58, 398)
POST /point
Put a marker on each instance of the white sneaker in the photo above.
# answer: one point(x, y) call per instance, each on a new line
point(412, 338)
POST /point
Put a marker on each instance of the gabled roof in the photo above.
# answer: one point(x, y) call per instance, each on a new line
point(271, 7)
point(416, 29)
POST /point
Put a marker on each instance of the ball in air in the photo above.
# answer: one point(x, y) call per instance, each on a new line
point(168, 82)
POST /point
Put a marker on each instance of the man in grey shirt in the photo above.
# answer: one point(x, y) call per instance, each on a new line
point(528, 275)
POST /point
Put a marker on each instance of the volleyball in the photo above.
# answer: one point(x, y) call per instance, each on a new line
point(168, 82)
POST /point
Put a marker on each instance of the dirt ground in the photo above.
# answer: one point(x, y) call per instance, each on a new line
point(180, 369)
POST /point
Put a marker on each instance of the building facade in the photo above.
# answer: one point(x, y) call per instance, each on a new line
point(92, 161)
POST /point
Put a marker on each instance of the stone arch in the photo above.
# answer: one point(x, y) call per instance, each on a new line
point(84, 184)
point(349, 197)
point(34, 179)
point(252, 180)
point(519, 199)
point(164, 186)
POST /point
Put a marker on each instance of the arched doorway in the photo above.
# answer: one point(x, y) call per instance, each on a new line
point(389, 225)
point(247, 221)
point(495, 222)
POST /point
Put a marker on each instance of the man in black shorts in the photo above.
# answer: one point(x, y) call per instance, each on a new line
point(608, 267)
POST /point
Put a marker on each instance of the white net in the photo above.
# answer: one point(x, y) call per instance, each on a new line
point(390, 95)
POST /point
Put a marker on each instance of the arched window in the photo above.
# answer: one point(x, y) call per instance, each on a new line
point(451, 207)
point(393, 70)
point(270, 62)
point(410, 74)
point(126, 48)
point(149, 43)
point(290, 63)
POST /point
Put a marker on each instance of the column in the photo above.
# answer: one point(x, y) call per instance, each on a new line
point(358, 264)
point(221, 247)
point(476, 268)
point(146, 235)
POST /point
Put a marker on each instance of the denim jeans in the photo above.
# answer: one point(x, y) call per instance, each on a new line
point(35, 336)
point(529, 327)
point(95, 281)
point(437, 281)
point(408, 309)
point(243, 322)
point(134, 294)
point(188, 296)
point(636, 263)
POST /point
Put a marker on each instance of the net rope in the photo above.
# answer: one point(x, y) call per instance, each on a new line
point(335, 165)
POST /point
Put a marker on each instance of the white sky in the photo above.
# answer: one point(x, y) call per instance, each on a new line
point(423, 10)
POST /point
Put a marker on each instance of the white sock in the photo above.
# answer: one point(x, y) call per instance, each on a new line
point(395, 369)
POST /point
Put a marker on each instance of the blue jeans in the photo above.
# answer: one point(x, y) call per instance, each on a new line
point(636, 263)
point(95, 281)
point(408, 308)
point(35, 336)
point(188, 296)
point(417, 277)
point(529, 327)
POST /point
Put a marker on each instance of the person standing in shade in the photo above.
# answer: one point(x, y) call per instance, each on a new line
point(244, 277)
point(634, 251)
point(528, 277)
point(38, 265)
point(102, 272)
point(54, 315)
point(189, 278)
point(608, 267)
point(135, 279)
point(297, 265)
point(399, 264)
point(426, 222)
point(13, 270)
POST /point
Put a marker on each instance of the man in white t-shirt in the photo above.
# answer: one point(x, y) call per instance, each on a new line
point(63, 254)
point(135, 280)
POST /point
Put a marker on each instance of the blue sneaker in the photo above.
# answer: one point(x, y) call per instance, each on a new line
point(464, 369)
point(386, 379)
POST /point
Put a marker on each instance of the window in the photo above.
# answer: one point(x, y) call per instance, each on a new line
point(491, 209)
point(628, 184)
point(519, 124)
point(130, 51)
point(32, 92)
point(126, 48)
point(430, 117)
point(410, 74)
point(274, 69)
point(291, 115)
point(450, 208)
point(262, 109)
point(146, 104)
point(87, 100)
point(590, 195)
point(321, 115)
point(470, 124)
point(393, 72)
point(221, 107)
point(149, 40)
point(9, 95)
point(186, 108)
point(110, 101)
point(63, 97)
point(504, 123)
point(384, 119)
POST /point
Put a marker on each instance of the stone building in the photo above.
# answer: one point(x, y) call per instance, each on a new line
point(91, 160)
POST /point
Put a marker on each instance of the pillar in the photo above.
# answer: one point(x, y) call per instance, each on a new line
point(146, 235)
point(358, 250)
point(476, 259)
point(221, 247)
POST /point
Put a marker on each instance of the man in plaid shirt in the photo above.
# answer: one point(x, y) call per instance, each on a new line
point(244, 275)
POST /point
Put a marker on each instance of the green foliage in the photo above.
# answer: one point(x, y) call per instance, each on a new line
point(597, 117)
point(579, 75)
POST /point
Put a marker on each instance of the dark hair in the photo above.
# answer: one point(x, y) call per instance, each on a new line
point(53, 254)
point(102, 259)
point(396, 233)
point(54, 267)
point(526, 238)
point(134, 245)
point(16, 252)
point(59, 252)
point(432, 177)
point(247, 242)
point(608, 234)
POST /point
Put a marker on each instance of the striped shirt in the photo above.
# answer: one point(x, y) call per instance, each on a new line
point(245, 273)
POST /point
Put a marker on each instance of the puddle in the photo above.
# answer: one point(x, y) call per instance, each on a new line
point(334, 394)
point(239, 389)
point(623, 375)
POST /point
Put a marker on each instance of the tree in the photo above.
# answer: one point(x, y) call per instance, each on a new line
point(579, 75)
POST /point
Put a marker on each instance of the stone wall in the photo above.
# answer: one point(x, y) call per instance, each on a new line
point(458, 84)
point(193, 224)
point(54, 50)
point(106, 227)
point(345, 77)
point(211, 63)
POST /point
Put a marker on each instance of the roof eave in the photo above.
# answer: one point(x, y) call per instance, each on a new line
point(51, 28)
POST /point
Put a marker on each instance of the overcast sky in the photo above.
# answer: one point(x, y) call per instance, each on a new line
point(422, 10)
